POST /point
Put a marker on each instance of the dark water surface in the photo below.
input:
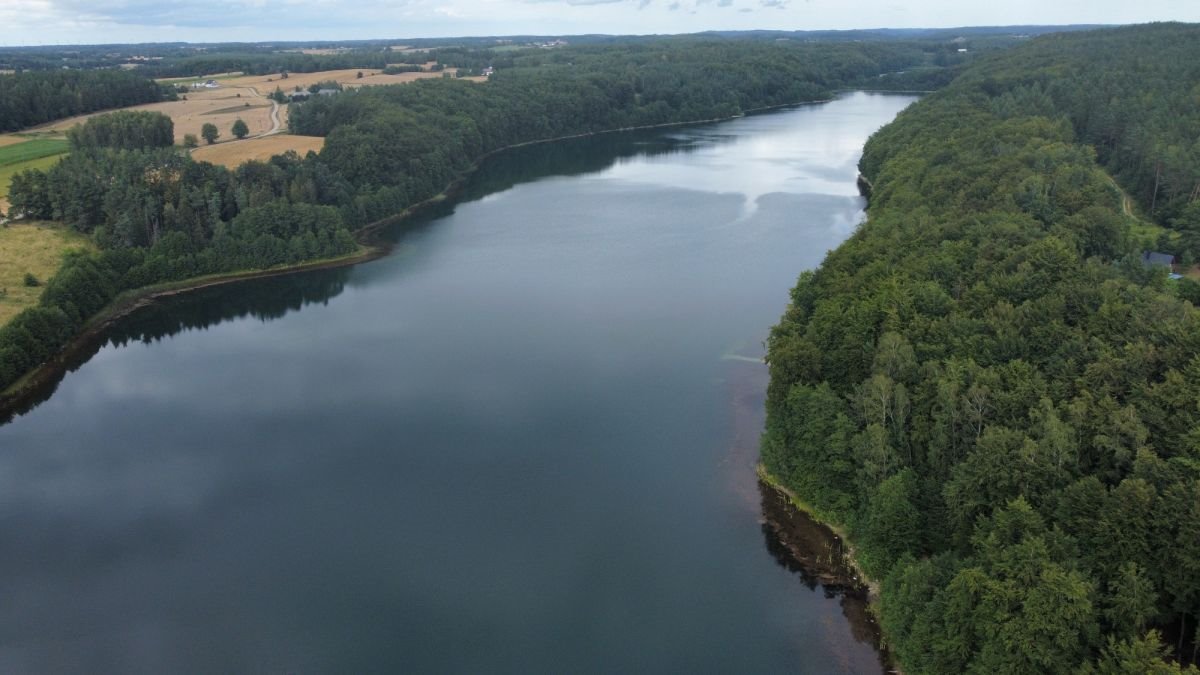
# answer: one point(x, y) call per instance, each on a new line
point(523, 442)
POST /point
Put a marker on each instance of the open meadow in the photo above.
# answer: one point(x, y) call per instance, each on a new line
point(33, 248)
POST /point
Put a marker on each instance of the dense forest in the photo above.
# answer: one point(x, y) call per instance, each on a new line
point(1139, 108)
point(158, 216)
point(987, 387)
point(32, 98)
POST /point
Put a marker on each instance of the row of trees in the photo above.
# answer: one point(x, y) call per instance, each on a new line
point(31, 98)
point(986, 386)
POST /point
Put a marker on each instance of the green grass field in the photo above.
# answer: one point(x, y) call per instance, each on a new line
point(36, 248)
point(7, 171)
point(30, 150)
point(39, 153)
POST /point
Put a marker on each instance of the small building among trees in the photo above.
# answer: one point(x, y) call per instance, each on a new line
point(1156, 259)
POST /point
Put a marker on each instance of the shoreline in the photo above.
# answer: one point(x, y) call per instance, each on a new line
point(771, 481)
point(24, 390)
point(859, 582)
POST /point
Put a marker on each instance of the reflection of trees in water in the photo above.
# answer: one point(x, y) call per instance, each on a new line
point(570, 157)
point(573, 157)
point(817, 555)
point(264, 298)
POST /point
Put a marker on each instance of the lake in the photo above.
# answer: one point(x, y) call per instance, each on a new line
point(524, 441)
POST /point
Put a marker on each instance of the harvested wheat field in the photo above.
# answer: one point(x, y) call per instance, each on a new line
point(348, 77)
point(233, 154)
point(246, 97)
point(399, 78)
point(219, 106)
point(11, 139)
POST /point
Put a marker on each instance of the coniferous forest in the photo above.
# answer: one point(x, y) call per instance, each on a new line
point(986, 385)
point(31, 98)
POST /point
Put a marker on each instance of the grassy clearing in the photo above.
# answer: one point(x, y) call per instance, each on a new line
point(31, 150)
point(35, 248)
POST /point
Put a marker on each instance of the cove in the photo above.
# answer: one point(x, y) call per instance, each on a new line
point(524, 441)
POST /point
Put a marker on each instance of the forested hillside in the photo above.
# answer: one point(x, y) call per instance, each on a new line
point(1136, 103)
point(990, 391)
point(157, 215)
point(32, 98)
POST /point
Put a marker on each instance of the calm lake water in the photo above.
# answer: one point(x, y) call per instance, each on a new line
point(523, 442)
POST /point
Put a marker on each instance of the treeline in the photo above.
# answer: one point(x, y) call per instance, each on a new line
point(263, 63)
point(1136, 104)
point(991, 392)
point(158, 216)
point(31, 98)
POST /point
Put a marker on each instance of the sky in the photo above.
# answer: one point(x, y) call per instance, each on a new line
point(24, 22)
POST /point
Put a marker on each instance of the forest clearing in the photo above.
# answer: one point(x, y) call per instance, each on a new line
point(31, 248)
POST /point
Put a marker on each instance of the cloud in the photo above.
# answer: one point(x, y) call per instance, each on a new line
point(188, 13)
point(724, 3)
point(674, 6)
point(777, 4)
point(586, 3)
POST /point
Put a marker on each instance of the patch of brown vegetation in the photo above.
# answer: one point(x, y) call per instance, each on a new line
point(234, 153)
point(11, 139)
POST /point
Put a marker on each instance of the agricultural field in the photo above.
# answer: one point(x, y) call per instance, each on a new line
point(31, 149)
point(221, 106)
point(347, 78)
point(198, 78)
point(245, 97)
point(11, 139)
point(233, 154)
point(33, 248)
point(18, 154)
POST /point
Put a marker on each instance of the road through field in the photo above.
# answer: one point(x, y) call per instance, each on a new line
point(275, 124)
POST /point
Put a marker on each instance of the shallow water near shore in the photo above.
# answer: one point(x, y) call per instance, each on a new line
point(524, 441)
